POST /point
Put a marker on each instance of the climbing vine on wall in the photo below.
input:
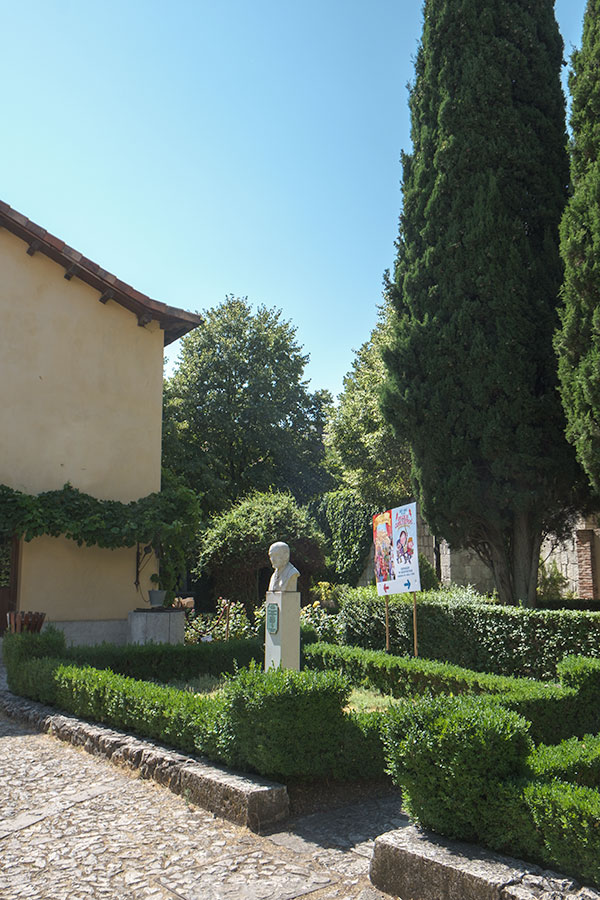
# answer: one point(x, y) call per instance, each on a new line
point(166, 520)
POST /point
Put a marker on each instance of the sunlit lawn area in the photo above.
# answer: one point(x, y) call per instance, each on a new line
point(360, 700)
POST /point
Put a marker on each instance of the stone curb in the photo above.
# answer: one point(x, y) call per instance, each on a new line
point(418, 865)
point(250, 801)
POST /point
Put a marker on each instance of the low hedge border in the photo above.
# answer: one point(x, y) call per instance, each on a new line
point(556, 711)
point(465, 629)
point(145, 662)
point(250, 801)
point(465, 768)
point(576, 760)
point(281, 724)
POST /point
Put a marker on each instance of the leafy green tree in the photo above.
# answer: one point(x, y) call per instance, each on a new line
point(234, 546)
point(578, 340)
point(237, 415)
point(363, 449)
point(471, 375)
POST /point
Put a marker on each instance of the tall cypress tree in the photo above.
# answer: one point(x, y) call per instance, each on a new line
point(578, 340)
point(472, 375)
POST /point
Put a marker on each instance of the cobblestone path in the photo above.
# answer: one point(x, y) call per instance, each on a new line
point(75, 827)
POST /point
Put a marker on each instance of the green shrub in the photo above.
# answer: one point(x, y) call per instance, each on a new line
point(233, 545)
point(580, 673)
point(169, 662)
point(461, 627)
point(284, 723)
point(361, 752)
point(556, 711)
point(429, 579)
point(552, 584)
point(467, 770)
point(219, 626)
point(450, 755)
point(576, 760)
point(280, 723)
point(327, 594)
point(33, 678)
point(317, 624)
point(27, 645)
point(180, 719)
point(568, 818)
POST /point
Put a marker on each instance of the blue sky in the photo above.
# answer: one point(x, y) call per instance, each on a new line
point(202, 148)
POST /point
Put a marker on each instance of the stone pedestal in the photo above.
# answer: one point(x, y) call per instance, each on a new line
point(156, 626)
point(282, 630)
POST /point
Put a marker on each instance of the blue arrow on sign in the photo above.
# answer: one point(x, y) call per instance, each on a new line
point(407, 584)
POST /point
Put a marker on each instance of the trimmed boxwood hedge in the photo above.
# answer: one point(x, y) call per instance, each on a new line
point(460, 627)
point(282, 724)
point(146, 662)
point(466, 768)
point(556, 711)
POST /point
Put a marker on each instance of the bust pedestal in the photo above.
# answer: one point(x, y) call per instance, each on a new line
point(282, 630)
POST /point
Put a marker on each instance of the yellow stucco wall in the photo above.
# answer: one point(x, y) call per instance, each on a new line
point(68, 582)
point(80, 401)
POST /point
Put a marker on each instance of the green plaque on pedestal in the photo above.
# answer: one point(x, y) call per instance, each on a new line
point(272, 618)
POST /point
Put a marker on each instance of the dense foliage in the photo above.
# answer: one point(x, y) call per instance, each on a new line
point(346, 522)
point(471, 373)
point(578, 341)
point(166, 521)
point(467, 770)
point(555, 711)
point(363, 449)
point(464, 747)
point(234, 545)
point(151, 662)
point(463, 628)
point(237, 415)
point(229, 622)
point(280, 723)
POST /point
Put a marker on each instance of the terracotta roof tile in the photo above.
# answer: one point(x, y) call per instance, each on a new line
point(175, 322)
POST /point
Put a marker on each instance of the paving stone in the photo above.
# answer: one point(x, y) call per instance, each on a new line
point(75, 827)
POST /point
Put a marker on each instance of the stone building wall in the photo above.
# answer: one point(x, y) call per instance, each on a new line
point(464, 567)
point(577, 558)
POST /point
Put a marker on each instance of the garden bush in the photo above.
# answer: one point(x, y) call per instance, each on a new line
point(180, 719)
point(291, 724)
point(219, 626)
point(33, 677)
point(461, 627)
point(451, 755)
point(468, 770)
point(556, 711)
point(169, 662)
point(568, 818)
point(576, 760)
point(280, 723)
point(29, 645)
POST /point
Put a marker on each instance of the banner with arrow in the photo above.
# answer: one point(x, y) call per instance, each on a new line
point(396, 551)
point(397, 559)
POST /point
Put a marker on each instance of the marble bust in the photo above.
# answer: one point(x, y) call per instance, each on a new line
point(285, 576)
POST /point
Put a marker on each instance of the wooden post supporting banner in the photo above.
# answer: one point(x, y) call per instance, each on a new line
point(415, 622)
point(387, 625)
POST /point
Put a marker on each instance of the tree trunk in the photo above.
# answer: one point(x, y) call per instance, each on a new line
point(502, 573)
point(526, 544)
point(514, 562)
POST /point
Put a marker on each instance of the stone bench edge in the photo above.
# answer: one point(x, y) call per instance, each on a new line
point(418, 865)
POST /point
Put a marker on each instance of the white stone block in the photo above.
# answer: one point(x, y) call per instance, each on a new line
point(282, 647)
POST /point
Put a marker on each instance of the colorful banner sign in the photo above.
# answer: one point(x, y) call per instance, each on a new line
point(396, 551)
